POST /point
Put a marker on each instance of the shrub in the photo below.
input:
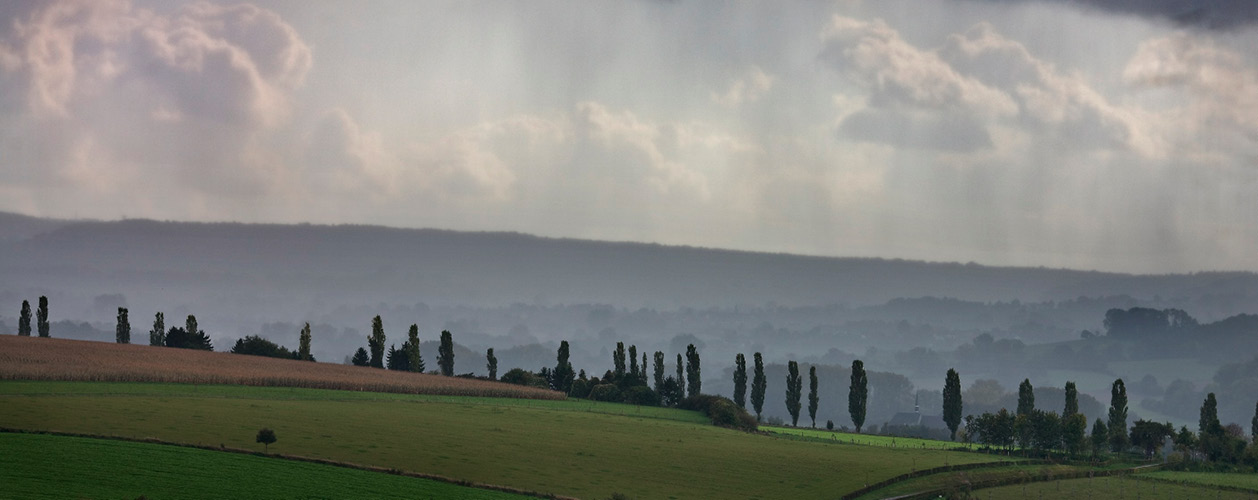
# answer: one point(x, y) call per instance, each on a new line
point(580, 388)
point(605, 392)
point(829, 425)
point(722, 411)
point(519, 376)
point(641, 395)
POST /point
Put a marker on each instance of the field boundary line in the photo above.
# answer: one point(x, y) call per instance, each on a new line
point(934, 470)
point(299, 458)
point(1238, 489)
point(994, 483)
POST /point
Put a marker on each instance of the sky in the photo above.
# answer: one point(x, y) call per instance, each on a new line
point(1086, 134)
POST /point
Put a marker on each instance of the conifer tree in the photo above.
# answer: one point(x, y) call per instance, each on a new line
point(758, 384)
point(445, 354)
point(740, 380)
point(122, 332)
point(361, 358)
point(1026, 397)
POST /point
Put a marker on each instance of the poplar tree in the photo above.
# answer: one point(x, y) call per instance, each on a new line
point(633, 362)
point(1072, 401)
point(794, 388)
point(491, 363)
point(445, 354)
point(412, 350)
point(1118, 416)
point(1208, 424)
point(813, 399)
point(157, 336)
point(694, 380)
point(563, 374)
point(41, 317)
point(1253, 426)
point(659, 372)
point(758, 384)
point(375, 342)
point(122, 332)
point(858, 395)
point(952, 407)
point(681, 377)
point(24, 321)
point(303, 344)
point(618, 360)
point(740, 380)
point(1026, 397)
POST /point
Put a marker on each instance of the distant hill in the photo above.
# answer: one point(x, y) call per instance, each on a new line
point(372, 263)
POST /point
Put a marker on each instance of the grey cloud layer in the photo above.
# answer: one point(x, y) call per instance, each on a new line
point(1209, 14)
point(723, 125)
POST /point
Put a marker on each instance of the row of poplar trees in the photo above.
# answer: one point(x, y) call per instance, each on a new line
point(408, 358)
point(41, 319)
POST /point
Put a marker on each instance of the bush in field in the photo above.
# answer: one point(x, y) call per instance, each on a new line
point(641, 395)
point(721, 410)
point(254, 345)
point(580, 388)
point(605, 392)
point(266, 437)
point(181, 338)
point(519, 376)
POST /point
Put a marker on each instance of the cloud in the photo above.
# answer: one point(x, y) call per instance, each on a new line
point(745, 89)
point(1204, 14)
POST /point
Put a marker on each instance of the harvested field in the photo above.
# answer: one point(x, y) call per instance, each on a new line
point(34, 358)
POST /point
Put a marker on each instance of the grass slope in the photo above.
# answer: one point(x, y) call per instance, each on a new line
point(1232, 480)
point(1106, 487)
point(41, 466)
point(34, 358)
point(576, 453)
point(864, 439)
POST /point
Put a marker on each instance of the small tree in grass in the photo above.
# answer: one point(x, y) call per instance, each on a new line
point(266, 436)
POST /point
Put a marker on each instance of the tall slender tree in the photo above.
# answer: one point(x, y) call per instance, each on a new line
point(1208, 424)
point(122, 331)
point(491, 364)
point(633, 362)
point(813, 399)
point(952, 407)
point(794, 389)
point(694, 380)
point(375, 342)
point(681, 376)
point(24, 321)
point(641, 373)
point(563, 373)
point(1118, 416)
point(1026, 397)
point(41, 317)
point(157, 336)
point(1253, 426)
point(758, 385)
point(618, 360)
point(445, 354)
point(303, 344)
point(740, 380)
point(412, 350)
point(858, 395)
point(659, 371)
point(1072, 401)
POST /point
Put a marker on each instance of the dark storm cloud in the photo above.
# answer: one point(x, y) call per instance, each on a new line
point(1207, 14)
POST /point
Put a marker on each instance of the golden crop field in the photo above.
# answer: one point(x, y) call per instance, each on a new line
point(34, 358)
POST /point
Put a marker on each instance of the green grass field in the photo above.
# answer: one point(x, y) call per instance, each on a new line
point(41, 466)
point(865, 439)
point(1106, 488)
point(1234, 480)
point(547, 449)
point(951, 480)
